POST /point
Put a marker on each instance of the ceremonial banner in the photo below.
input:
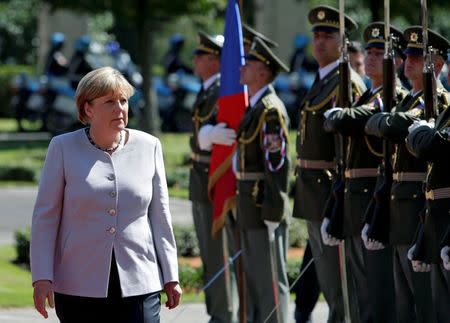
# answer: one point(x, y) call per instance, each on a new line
point(232, 102)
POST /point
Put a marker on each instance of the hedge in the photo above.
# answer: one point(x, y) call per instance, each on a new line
point(7, 72)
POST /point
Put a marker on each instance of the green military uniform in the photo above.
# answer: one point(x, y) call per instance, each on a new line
point(407, 198)
point(219, 295)
point(261, 168)
point(316, 163)
point(432, 145)
point(371, 270)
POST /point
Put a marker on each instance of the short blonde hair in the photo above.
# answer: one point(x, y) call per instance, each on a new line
point(97, 83)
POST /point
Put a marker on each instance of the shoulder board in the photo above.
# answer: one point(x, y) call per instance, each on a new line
point(268, 102)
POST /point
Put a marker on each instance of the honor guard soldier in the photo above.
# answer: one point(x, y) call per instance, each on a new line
point(375, 297)
point(409, 172)
point(207, 68)
point(307, 288)
point(429, 141)
point(316, 150)
point(261, 165)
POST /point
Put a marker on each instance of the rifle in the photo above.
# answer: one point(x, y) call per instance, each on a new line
point(429, 79)
point(334, 210)
point(430, 103)
point(335, 205)
point(379, 224)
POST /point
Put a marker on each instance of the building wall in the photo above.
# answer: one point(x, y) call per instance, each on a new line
point(71, 24)
point(281, 20)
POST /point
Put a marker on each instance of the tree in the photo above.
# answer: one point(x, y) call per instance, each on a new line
point(147, 17)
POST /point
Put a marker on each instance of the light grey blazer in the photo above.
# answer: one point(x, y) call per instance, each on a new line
point(89, 203)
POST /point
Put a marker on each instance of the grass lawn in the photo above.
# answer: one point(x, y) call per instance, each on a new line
point(15, 281)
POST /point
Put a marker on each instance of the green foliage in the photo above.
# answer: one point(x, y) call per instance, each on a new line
point(15, 281)
point(16, 173)
point(22, 238)
point(293, 270)
point(191, 278)
point(187, 243)
point(298, 234)
point(15, 14)
point(7, 72)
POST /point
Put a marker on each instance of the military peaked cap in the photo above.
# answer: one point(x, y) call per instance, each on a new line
point(414, 37)
point(261, 52)
point(326, 18)
point(248, 34)
point(374, 37)
point(208, 44)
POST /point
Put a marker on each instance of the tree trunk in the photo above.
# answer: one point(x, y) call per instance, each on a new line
point(149, 121)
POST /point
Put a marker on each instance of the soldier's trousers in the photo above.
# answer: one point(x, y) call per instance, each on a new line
point(440, 285)
point(360, 306)
point(380, 279)
point(326, 260)
point(413, 298)
point(221, 297)
point(307, 289)
point(258, 274)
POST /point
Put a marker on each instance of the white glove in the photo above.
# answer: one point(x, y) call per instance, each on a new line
point(370, 244)
point(327, 238)
point(331, 111)
point(419, 123)
point(445, 257)
point(271, 227)
point(418, 266)
point(218, 134)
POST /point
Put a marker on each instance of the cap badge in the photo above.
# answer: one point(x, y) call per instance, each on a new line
point(375, 32)
point(414, 37)
point(321, 15)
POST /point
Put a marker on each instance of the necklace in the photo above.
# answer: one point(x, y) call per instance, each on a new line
point(108, 150)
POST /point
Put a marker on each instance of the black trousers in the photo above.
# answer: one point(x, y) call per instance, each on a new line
point(112, 309)
point(306, 289)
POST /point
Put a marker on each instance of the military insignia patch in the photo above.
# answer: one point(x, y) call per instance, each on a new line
point(272, 143)
point(321, 15)
point(375, 32)
point(414, 37)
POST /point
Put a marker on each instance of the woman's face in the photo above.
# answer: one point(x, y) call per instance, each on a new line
point(109, 111)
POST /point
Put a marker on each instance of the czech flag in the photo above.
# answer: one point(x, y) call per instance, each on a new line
point(232, 103)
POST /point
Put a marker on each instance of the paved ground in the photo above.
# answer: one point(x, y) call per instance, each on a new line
point(17, 206)
point(186, 313)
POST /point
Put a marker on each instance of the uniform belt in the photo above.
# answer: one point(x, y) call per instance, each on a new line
point(409, 176)
point(315, 164)
point(200, 158)
point(437, 194)
point(361, 172)
point(242, 176)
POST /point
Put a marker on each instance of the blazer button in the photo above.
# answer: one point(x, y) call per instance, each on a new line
point(112, 194)
point(112, 212)
point(111, 177)
point(112, 230)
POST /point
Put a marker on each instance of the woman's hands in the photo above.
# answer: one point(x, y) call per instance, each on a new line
point(173, 292)
point(43, 289)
